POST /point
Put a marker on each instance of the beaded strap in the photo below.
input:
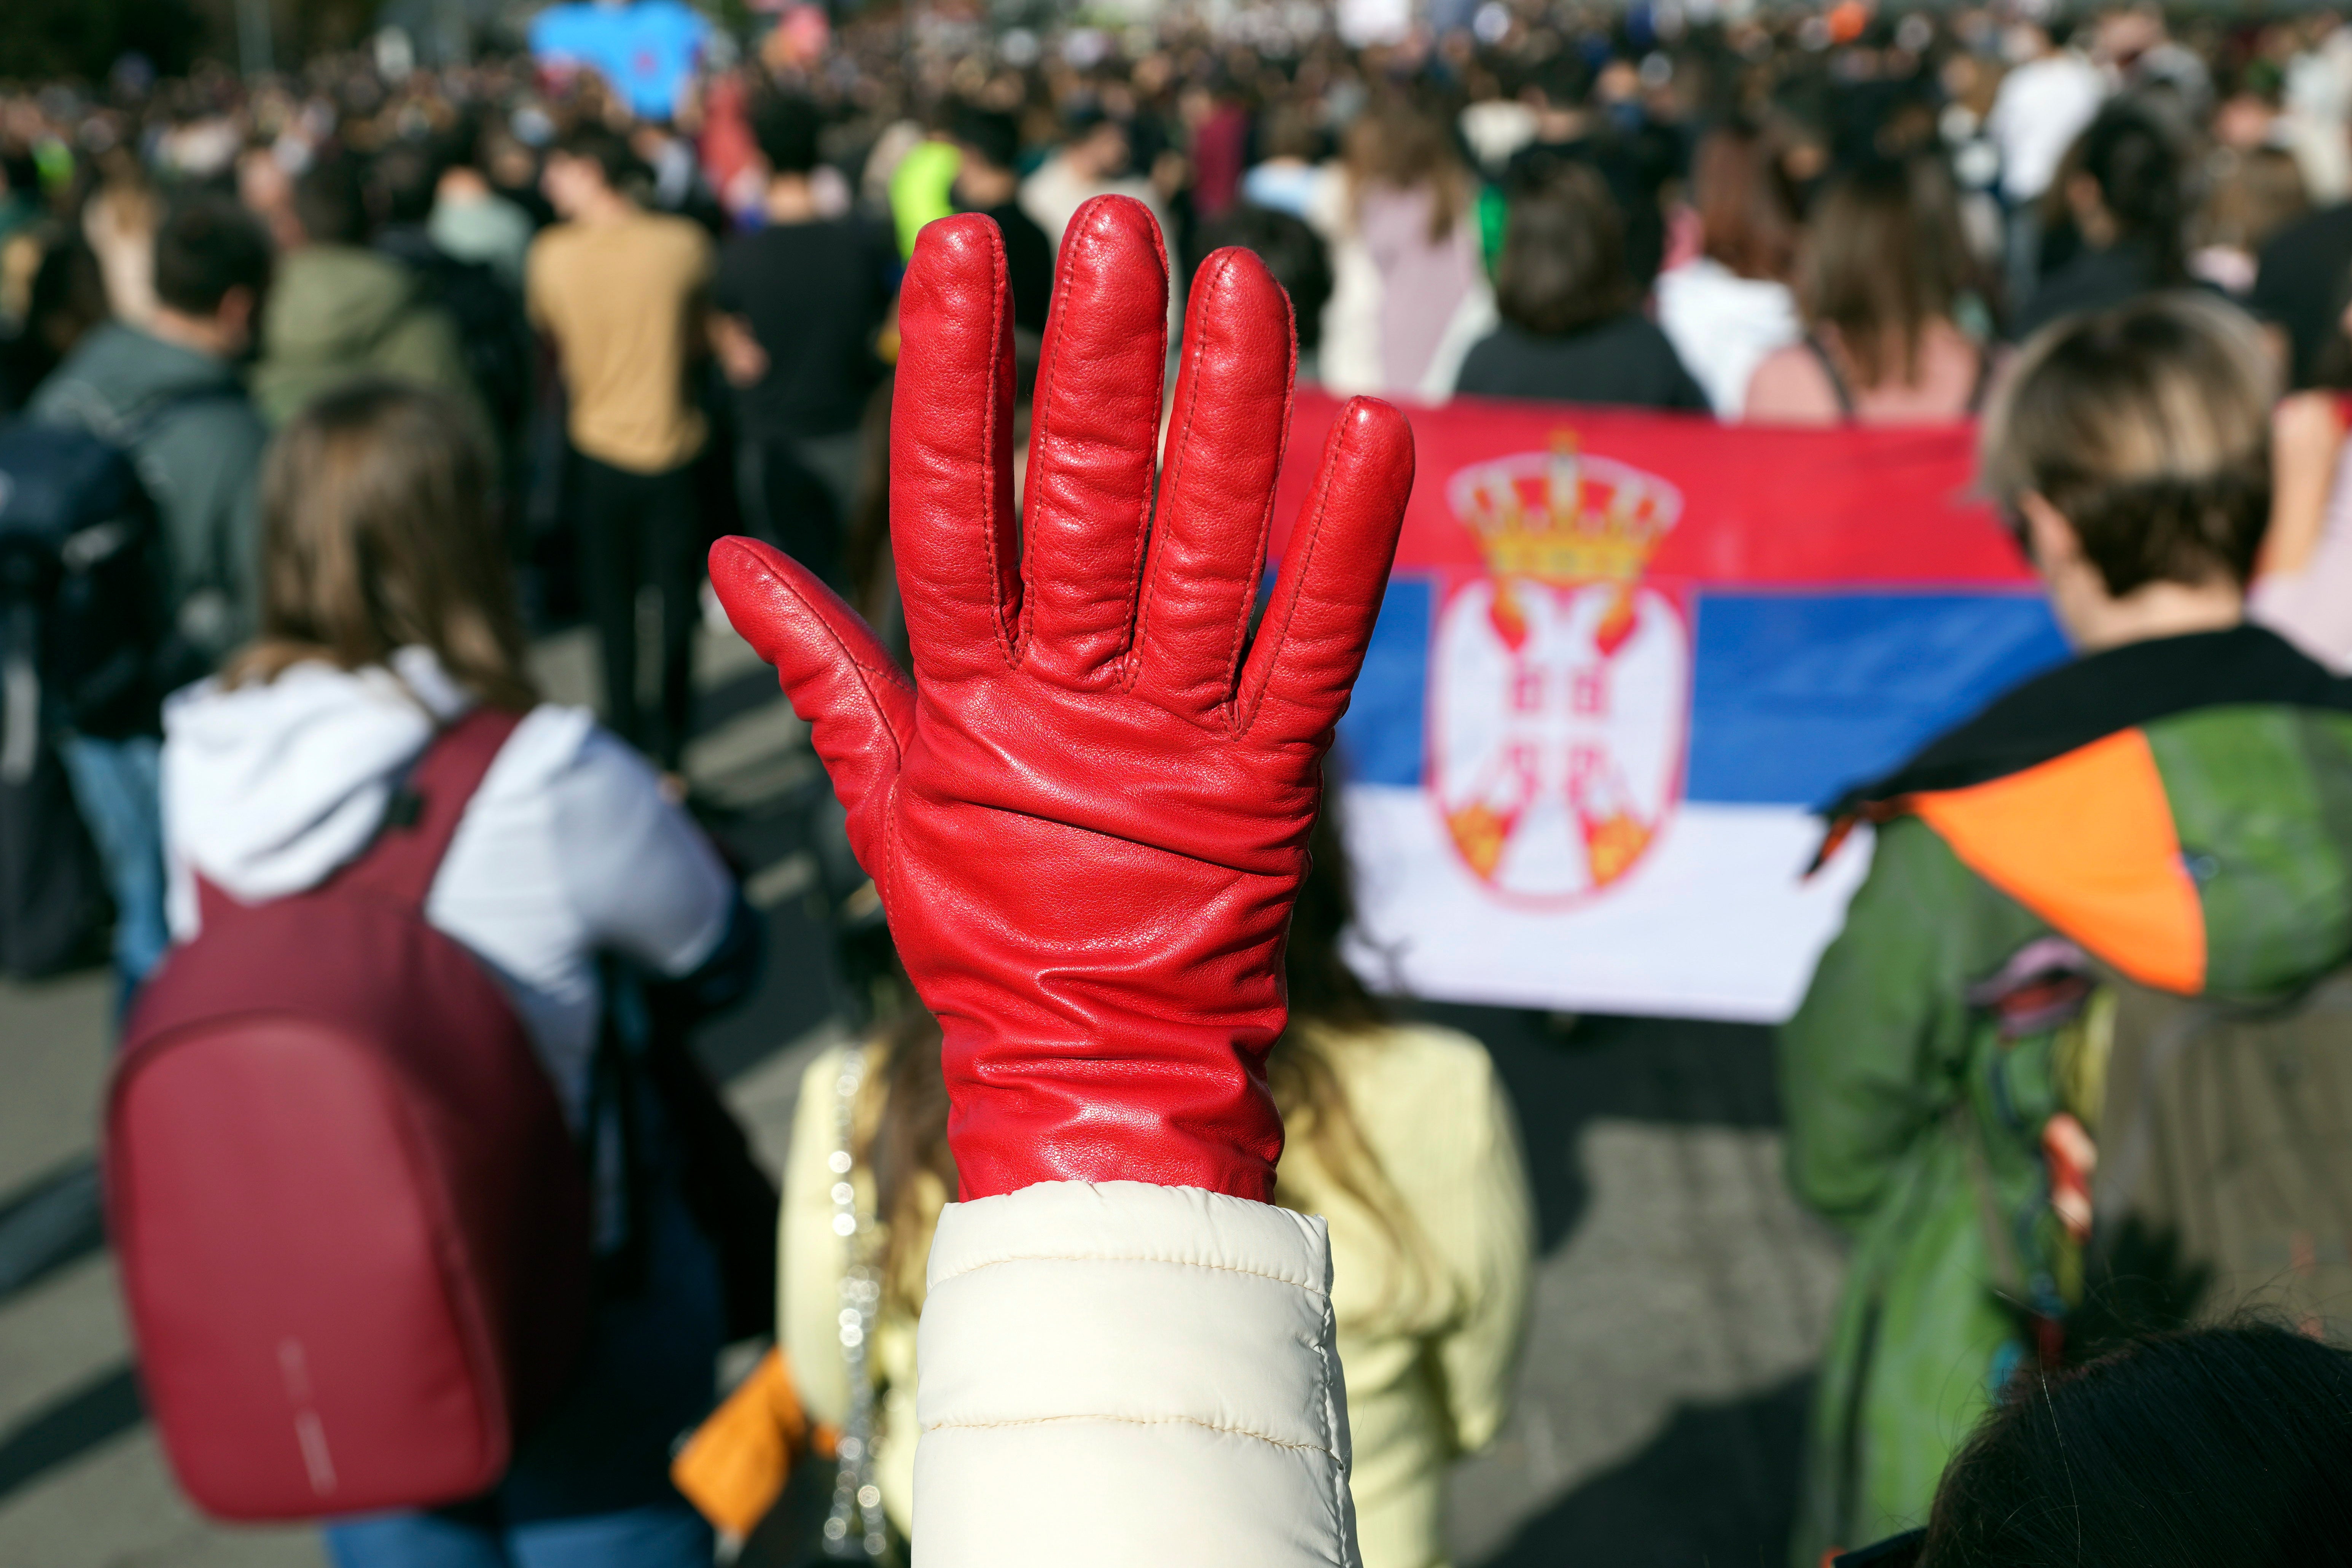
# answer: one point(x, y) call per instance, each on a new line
point(857, 1530)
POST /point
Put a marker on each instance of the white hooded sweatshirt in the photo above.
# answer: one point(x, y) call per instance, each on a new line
point(568, 848)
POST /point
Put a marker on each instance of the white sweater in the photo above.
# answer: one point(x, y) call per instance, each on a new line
point(568, 848)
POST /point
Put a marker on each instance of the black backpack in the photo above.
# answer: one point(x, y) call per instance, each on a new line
point(85, 643)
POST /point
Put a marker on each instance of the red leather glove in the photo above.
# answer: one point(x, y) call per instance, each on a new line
point(1087, 813)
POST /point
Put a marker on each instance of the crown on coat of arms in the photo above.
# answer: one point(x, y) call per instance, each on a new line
point(1563, 517)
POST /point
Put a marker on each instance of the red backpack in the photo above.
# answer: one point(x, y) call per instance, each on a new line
point(352, 1227)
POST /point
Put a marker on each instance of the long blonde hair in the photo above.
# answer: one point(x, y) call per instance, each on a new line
point(376, 534)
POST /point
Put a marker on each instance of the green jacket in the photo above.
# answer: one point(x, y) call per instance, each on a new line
point(2180, 810)
point(336, 312)
point(197, 444)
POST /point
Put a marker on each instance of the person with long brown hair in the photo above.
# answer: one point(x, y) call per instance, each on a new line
point(1730, 305)
point(1880, 278)
point(1398, 1133)
point(1405, 238)
point(1572, 328)
point(385, 615)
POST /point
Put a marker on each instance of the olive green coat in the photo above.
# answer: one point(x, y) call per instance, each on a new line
point(1916, 1125)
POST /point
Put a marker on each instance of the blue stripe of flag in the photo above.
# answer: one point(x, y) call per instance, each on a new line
point(1795, 695)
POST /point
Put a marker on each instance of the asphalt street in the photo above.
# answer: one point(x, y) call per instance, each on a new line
point(1679, 1305)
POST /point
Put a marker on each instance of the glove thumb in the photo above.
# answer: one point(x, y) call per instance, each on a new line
point(859, 707)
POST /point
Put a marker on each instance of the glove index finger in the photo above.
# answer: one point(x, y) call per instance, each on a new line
point(858, 705)
point(1326, 595)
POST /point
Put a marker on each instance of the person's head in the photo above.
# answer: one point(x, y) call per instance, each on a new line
point(1400, 146)
point(329, 200)
point(2129, 184)
point(2131, 449)
point(376, 534)
point(987, 141)
point(66, 298)
point(2227, 1447)
point(786, 125)
point(589, 168)
point(266, 190)
point(1096, 145)
point(211, 269)
point(1561, 88)
point(1882, 258)
point(1292, 252)
point(404, 178)
point(1288, 133)
point(987, 138)
point(1563, 262)
point(2026, 40)
point(1747, 204)
point(2259, 192)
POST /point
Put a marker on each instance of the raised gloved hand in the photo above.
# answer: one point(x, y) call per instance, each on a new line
point(1087, 813)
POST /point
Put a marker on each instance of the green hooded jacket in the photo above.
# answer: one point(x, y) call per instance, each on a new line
point(336, 312)
point(2180, 810)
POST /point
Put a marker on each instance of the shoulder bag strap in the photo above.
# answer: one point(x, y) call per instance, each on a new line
point(423, 816)
point(1838, 388)
point(1983, 382)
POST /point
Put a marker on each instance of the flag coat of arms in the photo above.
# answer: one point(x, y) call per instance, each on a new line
point(1624, 659)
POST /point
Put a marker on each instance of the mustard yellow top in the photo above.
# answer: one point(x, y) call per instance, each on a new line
point(621, 301)
point(1428, 1350)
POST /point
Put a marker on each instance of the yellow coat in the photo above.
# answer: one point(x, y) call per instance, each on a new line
point(1429, 1352)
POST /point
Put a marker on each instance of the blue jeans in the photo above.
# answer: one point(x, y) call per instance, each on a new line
point(655, 1536)
point(115, 783)
point(588, 1487)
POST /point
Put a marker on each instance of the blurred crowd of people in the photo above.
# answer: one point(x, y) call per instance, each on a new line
point(1792, 216)
point(416, 362)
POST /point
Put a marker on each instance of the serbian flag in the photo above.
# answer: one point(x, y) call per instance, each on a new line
point(1624, 659)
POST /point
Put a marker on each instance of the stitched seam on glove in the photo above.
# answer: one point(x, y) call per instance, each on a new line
point(1008, 640)
point(1264, 522)
point(892, 676)
point(1257, 570)
point(1041, 426)
point(1251, 702)
point(1315, 1291)
point(1135, 1421)
point(1171, 486)
point(1125, 660)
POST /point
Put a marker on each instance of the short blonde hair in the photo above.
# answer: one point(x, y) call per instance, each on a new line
point(2148, 427)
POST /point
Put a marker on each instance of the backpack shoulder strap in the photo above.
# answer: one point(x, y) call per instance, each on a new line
point(424, 811)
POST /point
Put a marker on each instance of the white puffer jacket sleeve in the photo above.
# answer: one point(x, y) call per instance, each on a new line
point(1124, 1374)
